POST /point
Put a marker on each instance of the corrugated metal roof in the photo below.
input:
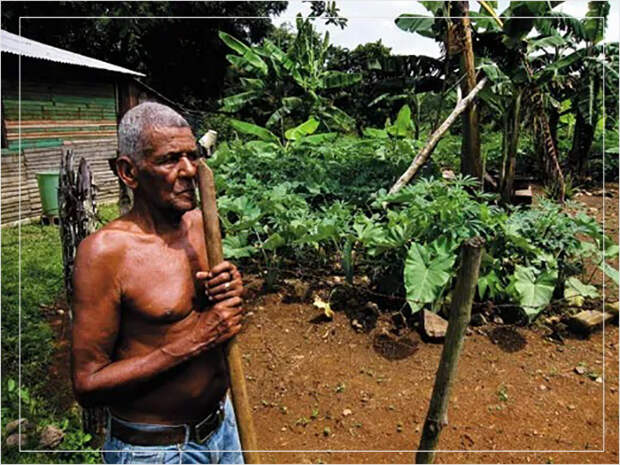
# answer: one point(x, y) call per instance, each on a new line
point(19, 45)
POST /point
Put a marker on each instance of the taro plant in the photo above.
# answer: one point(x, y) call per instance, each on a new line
point(532, 255)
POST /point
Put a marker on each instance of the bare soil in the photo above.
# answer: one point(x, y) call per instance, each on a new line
point(318, 386)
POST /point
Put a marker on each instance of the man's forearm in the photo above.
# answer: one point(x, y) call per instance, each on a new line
point(123, 375)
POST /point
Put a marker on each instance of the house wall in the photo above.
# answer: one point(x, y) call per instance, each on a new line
point(33, 160)
point(61, 106)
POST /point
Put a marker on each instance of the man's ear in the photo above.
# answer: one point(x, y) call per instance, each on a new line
point(127, 171)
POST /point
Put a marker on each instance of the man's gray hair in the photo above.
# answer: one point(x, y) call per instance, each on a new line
point(136, 122)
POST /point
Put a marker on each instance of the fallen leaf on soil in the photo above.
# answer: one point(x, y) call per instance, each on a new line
point(327, 310)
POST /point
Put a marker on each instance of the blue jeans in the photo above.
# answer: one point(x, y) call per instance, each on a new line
point(222, 447)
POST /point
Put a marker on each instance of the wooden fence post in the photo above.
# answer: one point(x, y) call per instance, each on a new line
point(460, 314)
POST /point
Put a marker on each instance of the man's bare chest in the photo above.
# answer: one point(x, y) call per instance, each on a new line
point(158, 281)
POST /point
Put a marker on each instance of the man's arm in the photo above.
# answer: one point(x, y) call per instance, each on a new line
point(96, 308)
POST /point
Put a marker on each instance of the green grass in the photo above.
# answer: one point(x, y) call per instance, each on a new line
point(41, 285)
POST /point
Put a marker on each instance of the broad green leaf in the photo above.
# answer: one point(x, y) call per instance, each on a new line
point(425, 275)
point(338, 118)
point(611, 272)
point(234, 43)
point(566, 61)
point(403, 125)
point(612, 251)
point(273, 242)
point(239, 62)
point(254, 130)
point(489, 282)
point(236, 247)
point(375, 133)
point(491, 70)
point(246, 52)
point(316, 139)
point(534, 291)
point(306, 128)
point(253, 84)
point(416, 23)
point(596, 21)
point(556, 21)
point(555, 40)
point(575, 292)
point(433, 6)
point(237, 101)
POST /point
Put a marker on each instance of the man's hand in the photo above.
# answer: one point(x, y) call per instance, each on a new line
point(222, 282)
point(223, 287)
point(219, 323)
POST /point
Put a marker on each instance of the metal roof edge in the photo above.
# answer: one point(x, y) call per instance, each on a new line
point(20, 45)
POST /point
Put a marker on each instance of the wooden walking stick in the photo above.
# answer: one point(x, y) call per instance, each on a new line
point(213, 241)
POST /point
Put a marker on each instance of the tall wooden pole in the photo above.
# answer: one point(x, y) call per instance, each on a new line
point(471, 161)
point(213, 241)
point(460, 314)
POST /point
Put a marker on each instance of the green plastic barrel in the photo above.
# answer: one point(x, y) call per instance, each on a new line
point(48, 190)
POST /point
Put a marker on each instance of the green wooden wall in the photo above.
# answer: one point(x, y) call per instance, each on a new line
point(54, 112)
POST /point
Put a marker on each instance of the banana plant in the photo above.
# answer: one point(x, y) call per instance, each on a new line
point(290, 84)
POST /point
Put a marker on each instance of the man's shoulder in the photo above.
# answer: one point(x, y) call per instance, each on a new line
point(108, 242)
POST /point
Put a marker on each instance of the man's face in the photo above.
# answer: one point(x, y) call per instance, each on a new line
point(166, 174)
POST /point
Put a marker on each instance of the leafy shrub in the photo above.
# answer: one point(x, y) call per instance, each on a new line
point(314, 199)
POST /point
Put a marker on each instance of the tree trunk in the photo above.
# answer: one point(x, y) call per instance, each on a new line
point(583, 137)
point(511, 139)
point(471, 161)
point(460, 314)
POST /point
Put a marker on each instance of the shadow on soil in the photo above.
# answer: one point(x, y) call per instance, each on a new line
point(393, 348)
point(507, 338)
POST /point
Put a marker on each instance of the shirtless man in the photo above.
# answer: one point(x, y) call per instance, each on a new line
point(150, 319)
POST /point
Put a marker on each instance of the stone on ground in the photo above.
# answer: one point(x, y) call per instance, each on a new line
point(51, 437)
point(433, 325)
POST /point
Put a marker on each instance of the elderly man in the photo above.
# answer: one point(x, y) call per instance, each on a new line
point(149, 319)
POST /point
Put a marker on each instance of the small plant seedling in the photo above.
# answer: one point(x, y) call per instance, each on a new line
point(502, 393)
point(283, 409)
point(340, 388)
point(302, 421)
point(315, 413)
point(327, 431)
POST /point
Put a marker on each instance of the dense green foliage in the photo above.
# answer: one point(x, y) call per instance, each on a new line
point(314, 201)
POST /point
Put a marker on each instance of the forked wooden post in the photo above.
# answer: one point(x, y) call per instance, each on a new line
point(213, 239)
point(460, 314)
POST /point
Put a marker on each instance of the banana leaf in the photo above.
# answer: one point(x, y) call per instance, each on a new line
point(421, 24)
point(254, 130)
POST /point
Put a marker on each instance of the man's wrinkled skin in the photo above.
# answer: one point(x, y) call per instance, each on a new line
point(149, 317)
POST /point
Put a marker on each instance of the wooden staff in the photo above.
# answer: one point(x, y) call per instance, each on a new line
point(213, 241)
